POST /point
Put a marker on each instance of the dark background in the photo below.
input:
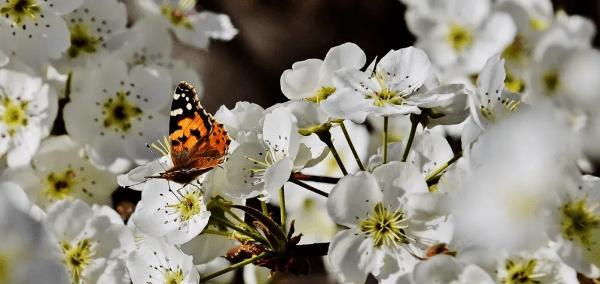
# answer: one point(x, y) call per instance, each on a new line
point(276, 33)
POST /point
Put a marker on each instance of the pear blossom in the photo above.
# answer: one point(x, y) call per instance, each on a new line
point(538, 266)
point(325, 164)
point(263, 165)
point(516, 185)
point(33, 31)
point(149, 43)
point(312, 79)
point(447, 269)
point(577, 228)
point(27, 252)
point(460, 35)
point(542, 266)
point(190, 26)
point(94, 249)
point(538, 29)
point(571, 31)
point(27, 112)
point(244, 118)
point(429, 151)
point(546, 76)
point(364, 201)
point(109, 104)
point(171, 211)
point(532, 19)
point(490, 130)
point(490, 102)
point(207, 248)
point(137, 177)
point(156, 261)
point(93, 27)
point(60, 170)
point(389, 88)
point(577, 78)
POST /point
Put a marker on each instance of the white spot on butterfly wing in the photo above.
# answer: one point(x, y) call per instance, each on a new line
point(176, 112)
point(188, 106)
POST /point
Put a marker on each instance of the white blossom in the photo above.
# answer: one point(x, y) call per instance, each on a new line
point(60, 170)
point(190, 26)
point(28, 108)
point(110, 104)
point(33, 30)
point(94, 249)
point(156, 261)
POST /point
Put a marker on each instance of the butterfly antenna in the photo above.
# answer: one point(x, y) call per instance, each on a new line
point(163, 149)
point(135, 184)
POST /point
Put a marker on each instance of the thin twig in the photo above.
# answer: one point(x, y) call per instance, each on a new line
point(311, 188)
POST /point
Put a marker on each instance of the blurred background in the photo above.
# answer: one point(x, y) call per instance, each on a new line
point(273, 34)
point(276, 33)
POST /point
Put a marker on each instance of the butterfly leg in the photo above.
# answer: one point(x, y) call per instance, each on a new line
point(196, 184)
point(173, 192)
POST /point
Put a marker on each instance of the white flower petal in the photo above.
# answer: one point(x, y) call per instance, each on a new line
point(26, 143)
point(353, 198)
point(346, 55)
point(170, 210)
point(406, 69)
point(62, 6)
point(277, 174)
point(348, 104)
point(353, 257)
point(156, 260)
point(302, 81)
point(438, 269)
point(206, 25)
point(280, 134)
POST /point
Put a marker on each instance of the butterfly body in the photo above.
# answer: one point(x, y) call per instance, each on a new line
point(198, 143)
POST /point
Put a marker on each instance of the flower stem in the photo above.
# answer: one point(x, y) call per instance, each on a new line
point(414, 122)
point(282, 208)
point(354, 153)
point(234, 266)
point(263, 207)
point(239, 220)
point(311, 188)
point(228, 224)
point(385, 138)
point(216, 232)
point(325, 136)
point(322, 179)
point(431, 177)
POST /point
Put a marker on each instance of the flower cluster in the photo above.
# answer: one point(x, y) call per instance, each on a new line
point(466, 158)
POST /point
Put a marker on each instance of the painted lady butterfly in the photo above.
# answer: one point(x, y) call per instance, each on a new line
point(198, 142)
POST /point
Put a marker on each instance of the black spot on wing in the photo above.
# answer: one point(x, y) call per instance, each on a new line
point(196, 133)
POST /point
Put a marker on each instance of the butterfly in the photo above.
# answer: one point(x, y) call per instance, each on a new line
point(198, 143)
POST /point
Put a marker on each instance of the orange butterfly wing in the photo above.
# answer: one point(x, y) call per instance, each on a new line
point(197, 140)
point(211, 151)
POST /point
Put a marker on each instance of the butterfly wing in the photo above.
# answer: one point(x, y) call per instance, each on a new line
point(189, 124)
point(212, 151)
